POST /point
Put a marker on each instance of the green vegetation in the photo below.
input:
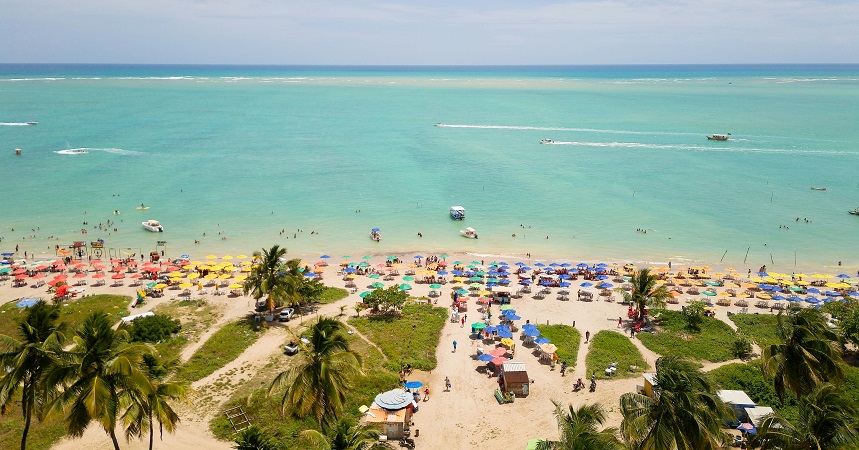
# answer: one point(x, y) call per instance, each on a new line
point(410, 338)
point(386, 301)
point(579, 429)
point(153, 329)
point(610, 346)
point(331, 295)
point(222, 347)
point(566, 338)
point(72, 313)
point(42, 436)
point(713, 342)
point(750, 378)
point(760, 328)
point(645, 293)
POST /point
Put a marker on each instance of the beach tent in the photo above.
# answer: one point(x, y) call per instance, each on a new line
point(756, 414)
point(515, 378)
point(738, 401)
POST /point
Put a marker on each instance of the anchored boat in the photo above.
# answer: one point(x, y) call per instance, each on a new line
point(469, 233)
point(718, 137)
point(153, 226)
point(375, 234)
point(457, 212)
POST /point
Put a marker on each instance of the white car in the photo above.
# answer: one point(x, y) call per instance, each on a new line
point(285, 314)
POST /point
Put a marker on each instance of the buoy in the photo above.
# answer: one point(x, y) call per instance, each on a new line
point(18, 151)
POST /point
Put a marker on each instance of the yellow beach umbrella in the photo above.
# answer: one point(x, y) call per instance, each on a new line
point(211, 276)
point(730, 269)
point(211, 257)
point(756, 279)
point(800, 275)
point(241, 278)
point(246, 263)
point(483, 292)
point(242, 257)
point(185, 285)
point(236, 286)
point(770, 280)
point(246, 269)
point(176, 274)
point(160, 286)
point(723, 294)
point(458, 279)
point(193, 275)
point(225, 276)
point(803, 283)
point(226, 257)
point(351, 276)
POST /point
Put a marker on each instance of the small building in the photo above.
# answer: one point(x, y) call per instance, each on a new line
point(738, 401)
point(649, 384)
point(515, 378)
point(756, 415)
point(391, 413)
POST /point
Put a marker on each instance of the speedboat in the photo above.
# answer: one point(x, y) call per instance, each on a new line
point(546, 141)
point(855, 212)
point(153, 226)
point(375, 235)
point(457, 212)
point(469, 233)
point(72, 151)
point(818, 188)
point(718, 137)
point(32, 122)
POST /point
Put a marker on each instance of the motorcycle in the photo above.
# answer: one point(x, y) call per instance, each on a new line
point(408, 443)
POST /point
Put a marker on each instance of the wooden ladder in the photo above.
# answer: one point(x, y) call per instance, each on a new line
point(238, 419)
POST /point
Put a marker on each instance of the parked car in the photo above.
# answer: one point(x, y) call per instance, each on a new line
point(291, 348)
point(285, 314)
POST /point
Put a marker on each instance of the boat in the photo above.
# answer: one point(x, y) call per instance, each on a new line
point(32, 122)
point(72, 151)
point(546, 141)
point(469, 233)
point(153, 226)
point(457, 212)
point(818, 188)
point(855, 212)
point(375, 235)
point(718, 137)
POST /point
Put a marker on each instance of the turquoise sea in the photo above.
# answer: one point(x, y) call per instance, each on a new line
point(250, 151)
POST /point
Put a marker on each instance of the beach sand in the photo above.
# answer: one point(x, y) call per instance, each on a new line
point(466, 417)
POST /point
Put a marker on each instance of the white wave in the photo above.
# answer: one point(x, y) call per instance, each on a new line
point(14, 124)
point(84, 150)
point(583, 130)
point(703, 148)
point(34, 79)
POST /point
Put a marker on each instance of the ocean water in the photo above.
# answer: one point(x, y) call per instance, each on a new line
point(243, 153)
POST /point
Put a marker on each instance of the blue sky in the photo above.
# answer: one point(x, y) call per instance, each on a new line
point(429, 32)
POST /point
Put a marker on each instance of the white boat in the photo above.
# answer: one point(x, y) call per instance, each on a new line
point(814, 188)
point(546, 141)
point(72, 151)
point(153, 226)
point(457, 212)
point(718, 137)
point(32, 122)
point(375, 234)
point(469, 233)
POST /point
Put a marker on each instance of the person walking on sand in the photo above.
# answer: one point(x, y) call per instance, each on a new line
point(446, 384)
point(619, 322)
point(462, 323)
point(587, 336)
point(454, 346)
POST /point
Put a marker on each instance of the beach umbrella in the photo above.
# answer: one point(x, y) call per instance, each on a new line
point(475, 285)
point(812, 300)
point(419, 257)
point(377, 285)
point(548, 348)
point(498, 361)
point(541, 340)
point(309, 274)
point(832, 293)
point(394, 400)
point(709, 293)
point(512, 317)
point(525, 282)
point(185, 285)
point(498, 351)
point(485, 357)
point(490, 329)
point(478, 325)
point(533, 332)
point(405, 287)
point(365, 294)
point(484, 300)
point(413, 384)
point(409, 278)
point(587, 284)
point(525, 268)
point(435, 286)
point(564, 284)
point(232, 286)
point(442, 272)
point(813, 290)
point(462, 292)
point(506, 307)
point(118, 276)
point(505, 334)
point(605, 286)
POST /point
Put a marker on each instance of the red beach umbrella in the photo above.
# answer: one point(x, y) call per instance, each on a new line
point(118, 276)
point(54, 282)
point(117, 269)
point(80, 275)
point(498, 361)
point(42, 267)
point(62, 277)
point(136, 276)
point(19, 271)
point(98, 275)
point(62, 290)
point(95, 262)
point(21, 277)
point(498, 351)
point(39, 275)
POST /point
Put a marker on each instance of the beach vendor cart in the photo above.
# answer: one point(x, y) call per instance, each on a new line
point(515, 378)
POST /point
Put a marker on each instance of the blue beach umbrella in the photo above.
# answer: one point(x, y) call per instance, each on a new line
point(324, 256)
point(581, 265)
point(505, 334)
point(763, 274)
point(309, 274)
point(832, 293)
point(843, 276)
point(564, 276)
point(485, 357)
point(853, 293)
point(525, 268)
point(565, 264)
point(546, 283)
point(587, 284)
point(512, 317)
point(490, 329)
point(539, 264)
point(419, 257)
point(185, 256)
point(533, 332)
point(349, 270)
point(564, 284)
point(525, 282)
point(812, 300)
point(442, 272)
point(813, 290)
point(413, 384)
point(795, 298)
point(542, 340)
point(508, 311)
point(779, 297)
point(602, 277)
point(606, 286)
point(520, 263)
point(554, 264)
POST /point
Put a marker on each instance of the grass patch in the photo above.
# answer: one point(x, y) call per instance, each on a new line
point(566, 338)
point(712, 343)
point(265, 410)
point(222, 347)
point(760, 328)
point(195, 317)
point(72, 313)
point(410, 338)
point(42, 435)
point(331, 295)
point(750, 378)
point(610, 346)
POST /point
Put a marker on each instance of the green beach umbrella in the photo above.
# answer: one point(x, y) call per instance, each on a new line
point(391, 258)
point(365, 294)
point(405, 287)
point(374, 276)
point(152, 284)
point(409, 278)
point(456, 263)
point(461, 291)
point(475, 262)
point(345, 257)
point(443, 256)
point(709, 293)
point(506, 307)
point(364, 264)
point(481, 272)
point(476, 279)
point(478, 325)
point(377, 285)
point(366, 257)
point(794, 288)
point(493, 263)
point(352, 264)
point(435, 286)
point(492, 280)
point(475, 285)
point(711, 283)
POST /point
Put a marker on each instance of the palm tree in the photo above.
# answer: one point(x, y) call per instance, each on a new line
point(143, 410)
point(828, 419)
point(28, 360)
point(255, 438)
point(579, 430)
point(273, 279)
point(104, 369)
point(346, 435)
point(685, 413)
point(645, 292)
point(807, 356)
point(317, 385)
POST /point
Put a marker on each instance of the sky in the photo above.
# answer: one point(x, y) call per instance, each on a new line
point(430, 32)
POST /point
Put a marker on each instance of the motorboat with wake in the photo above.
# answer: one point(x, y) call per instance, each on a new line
point(72, 151)
point(546, 141)
point(153, 226)
point(718, 137)
point(855, 212)
point(32, 122)
point(469, 233)
point(375, 234)
point(457, 212)
point(818, 188)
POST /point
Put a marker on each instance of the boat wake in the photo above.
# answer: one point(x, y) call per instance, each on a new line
point(581, 130)
point(702, 148)
point(85, 150)
point(15, 124)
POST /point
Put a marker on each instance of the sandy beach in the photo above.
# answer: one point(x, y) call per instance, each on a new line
point(467, 416)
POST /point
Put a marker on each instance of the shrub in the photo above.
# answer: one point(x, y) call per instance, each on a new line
point(694, 315)
point(153, 329)
point(741, 347)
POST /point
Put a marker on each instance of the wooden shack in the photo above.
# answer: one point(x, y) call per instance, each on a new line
point(515, 378)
